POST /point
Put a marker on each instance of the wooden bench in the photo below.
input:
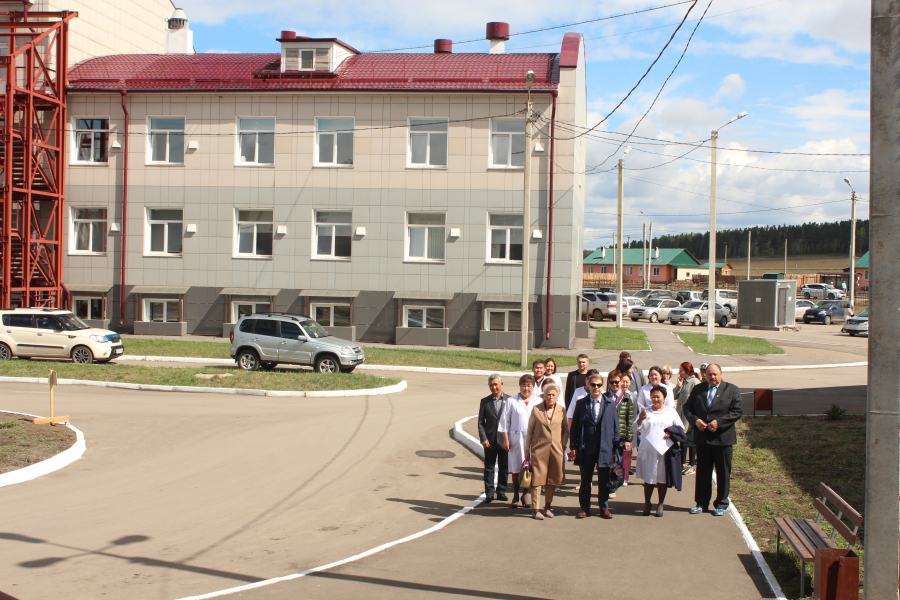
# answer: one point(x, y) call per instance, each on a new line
point(805, 536)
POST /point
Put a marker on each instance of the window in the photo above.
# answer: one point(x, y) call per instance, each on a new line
point(254, 232)
point(256, 141)
point(426, 317)
point(91, 140)
point(12, 320)
point(590, 269)
point(641, 271)
point(425, 236)
point(508, 142)
point(297, 59)
point(655, 271)
point(506, 237)
point(266, 327)
point(628, 270)
point(165, 229)
point(166, 140)
point(503, 320)
point(331, 315)
point(89, 308)
point(291, 331)
point(242, 308)
point(333, 229)
point(603, 269)
point(162, 311)
point(89, 226)
point(866, 275)
point(428, 142)
point(335, 139)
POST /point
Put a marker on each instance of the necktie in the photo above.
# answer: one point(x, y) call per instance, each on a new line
point(595, 406)
point(711, 395)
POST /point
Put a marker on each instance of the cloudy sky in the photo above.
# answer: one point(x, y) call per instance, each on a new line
point(800, 68)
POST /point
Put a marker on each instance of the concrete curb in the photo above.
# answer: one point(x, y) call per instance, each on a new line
point(468, 442)
point(754, 550)
point(389, 389)
point(54, 463)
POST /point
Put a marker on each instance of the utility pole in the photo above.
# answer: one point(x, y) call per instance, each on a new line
point(785, 257)
point(649, 253)
point(644, 253)
point(882, 415)
point(526, 223)
point(748, 254)
point(852, 243)
point(620, 226)
point(711, 287)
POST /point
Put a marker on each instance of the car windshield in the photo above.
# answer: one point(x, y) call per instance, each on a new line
point(652, 302)
point(692, 305)
point(825, 304)
point(70, 322)
point(313, 329)
point(863, 313)
point(642, 294)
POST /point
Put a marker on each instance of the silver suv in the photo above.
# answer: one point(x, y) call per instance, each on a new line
point(260, 341)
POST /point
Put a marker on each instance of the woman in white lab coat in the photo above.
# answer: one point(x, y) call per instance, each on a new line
point(514, 425)
point(651, 466)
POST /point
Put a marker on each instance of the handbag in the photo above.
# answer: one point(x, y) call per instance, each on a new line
point(616, 474)
point(525, 475)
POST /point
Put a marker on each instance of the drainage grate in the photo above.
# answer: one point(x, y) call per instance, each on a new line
point(435, 454)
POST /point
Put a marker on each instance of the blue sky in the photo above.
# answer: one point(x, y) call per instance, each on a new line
point(800, 68)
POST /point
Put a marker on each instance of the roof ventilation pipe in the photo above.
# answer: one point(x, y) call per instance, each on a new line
point(656, 255)
point(288, 35)
point(179, 37)
point(443, 46)
point(498, 33)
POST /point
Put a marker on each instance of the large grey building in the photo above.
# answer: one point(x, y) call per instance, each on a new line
point(381, 193)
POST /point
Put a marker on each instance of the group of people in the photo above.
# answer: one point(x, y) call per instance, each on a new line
point(667, 429)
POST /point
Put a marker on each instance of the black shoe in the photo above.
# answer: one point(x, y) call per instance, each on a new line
point(502, 497)
point(489, 499)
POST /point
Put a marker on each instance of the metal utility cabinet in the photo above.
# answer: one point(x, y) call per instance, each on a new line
point(767, 303)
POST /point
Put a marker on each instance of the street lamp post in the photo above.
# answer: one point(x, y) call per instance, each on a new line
point(620, 226)
point(711, 288)
point(648, 259)
point(526, 222)
point(852, 244)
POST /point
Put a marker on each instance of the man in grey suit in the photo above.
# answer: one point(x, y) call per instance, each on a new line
point(489, 413)
point(714, 407)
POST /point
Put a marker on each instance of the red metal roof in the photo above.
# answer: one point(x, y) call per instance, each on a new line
point(197, 72)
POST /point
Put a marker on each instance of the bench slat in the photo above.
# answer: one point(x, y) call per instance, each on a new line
point(838, 525)
point(796, 539)
point(848, 511)
point(814, 534)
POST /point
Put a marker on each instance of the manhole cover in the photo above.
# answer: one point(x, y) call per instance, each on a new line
point(435, 454)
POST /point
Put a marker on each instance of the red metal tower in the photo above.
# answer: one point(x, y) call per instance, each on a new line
point(32, 156)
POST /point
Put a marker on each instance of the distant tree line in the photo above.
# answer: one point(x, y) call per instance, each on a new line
point(809, 238)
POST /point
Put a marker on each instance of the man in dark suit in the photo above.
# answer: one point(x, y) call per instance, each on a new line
point(489, 413)
point(714, 406)
point(594, 438)
point(577, 378)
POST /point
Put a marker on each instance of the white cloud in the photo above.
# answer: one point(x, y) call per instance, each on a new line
point(833, 109)
point(732, 86)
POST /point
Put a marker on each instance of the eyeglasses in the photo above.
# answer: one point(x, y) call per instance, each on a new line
point(614, 382)
point(596, 385)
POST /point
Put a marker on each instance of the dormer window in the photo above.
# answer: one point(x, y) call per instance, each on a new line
point(300, 59)
point(321, 55)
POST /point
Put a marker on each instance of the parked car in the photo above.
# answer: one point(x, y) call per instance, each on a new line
point(823, 291)
point(727, 298)
point(801, 307)
point(858, 324)
point(654, 310)
point(648, 294)
point(697, 313)
point(828, 311)
point(607, 290)
point(632, 304)
point(687, 296)
point(590, 303)
point(605, 307)
point(260, 341)
point(54, 333)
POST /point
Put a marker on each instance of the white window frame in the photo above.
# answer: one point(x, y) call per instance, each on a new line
point(590, 269)
point(508, 229)
point(299, 59)
point(329, 305)
point(73, 230)
point(254, 303)
point(146, 309)
point(89, 300)
point(148, 227)
point(866, 278)
point(641, 271)
point(238, 162)
point(409, 163)
point(318, 137)
point(406, 228)
point(629, 270)
point(237, 234)
point(492, 164)
point(75, 130)
point(506, 311)
point(315, 237)
point(655, 272)
point(425, 309)
point(149, 145)
point(603, 269)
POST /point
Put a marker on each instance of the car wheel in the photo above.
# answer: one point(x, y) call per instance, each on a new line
point(327, 363)
point(806, 295)
point(269, 366)
point(82, 355)
point(248, 360)
point(597, 315)
point(852, 333)
point(827, 320)
point(673, 323)
point(654, 318)
point(805, 322)
point(634, 319)
point(696, 321)
point(831, 296)
point(5, 352)
point(723, 322)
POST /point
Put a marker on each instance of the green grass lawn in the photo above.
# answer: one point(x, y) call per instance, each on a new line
point(161, 375)
point(612, 338)
point(778, 464)
point(728, 344)
point(451, 359)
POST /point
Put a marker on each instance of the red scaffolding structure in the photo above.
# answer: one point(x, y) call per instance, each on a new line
point(33, 71)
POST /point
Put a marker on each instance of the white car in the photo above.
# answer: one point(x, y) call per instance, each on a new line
point(727, 298)
point(802, 305)
point(654, 310)
point(858, 324)
point(822, 291)
point(697, 313)
point(55, 333)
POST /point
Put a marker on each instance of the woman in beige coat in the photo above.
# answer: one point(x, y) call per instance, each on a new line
point(548, 434)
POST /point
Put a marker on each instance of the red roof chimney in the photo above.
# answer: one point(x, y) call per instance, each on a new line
point(498, 33)
point(286, 35)
point(443, 46)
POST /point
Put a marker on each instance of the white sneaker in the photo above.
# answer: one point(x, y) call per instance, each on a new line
point(612, 494)
point(624, 483)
